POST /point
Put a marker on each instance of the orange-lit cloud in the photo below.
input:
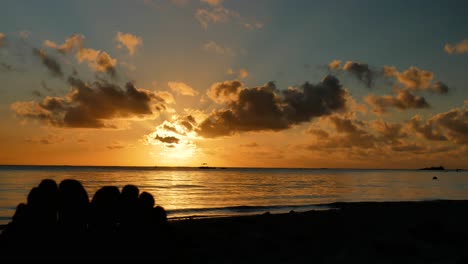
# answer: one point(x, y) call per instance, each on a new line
point(402, 100)
point(131, 42)
point(47, 140)
point(75, 41)
point(92, 105)
point(459, 48)
point(225, 92)
point(2, 39)
point(212, 2)
point(255, 25)
point(116, 145)
point(217, 48)
point(413, 78)
point(243, 73)
point(182, 88)
point(214, 15)
point(451, 125)
point(97, 60)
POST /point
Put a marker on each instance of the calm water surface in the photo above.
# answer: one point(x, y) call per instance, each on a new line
point(187, 191)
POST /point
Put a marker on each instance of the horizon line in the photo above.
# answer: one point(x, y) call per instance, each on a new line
point(214, 167)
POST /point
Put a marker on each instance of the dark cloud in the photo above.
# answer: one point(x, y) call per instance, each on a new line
point(51, 64)
point(389, 132)
point(267, 108)
point(319, 133)
point(455, 123)
point(427, 130)
point(440, 88)
point(414, 148)
point(402, 100)
point(168, 139)
point(354, 132)
point(361, 71)
point(225, 92)
point(92, 105)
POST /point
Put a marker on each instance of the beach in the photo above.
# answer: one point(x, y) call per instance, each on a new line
point(369, 232)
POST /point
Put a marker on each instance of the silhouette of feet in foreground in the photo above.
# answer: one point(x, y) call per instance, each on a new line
point(60, 221)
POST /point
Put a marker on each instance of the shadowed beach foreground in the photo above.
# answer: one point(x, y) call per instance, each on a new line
point(126, 225)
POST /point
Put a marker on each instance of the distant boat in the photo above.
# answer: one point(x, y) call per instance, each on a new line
point(433, 168)
point(205, 166)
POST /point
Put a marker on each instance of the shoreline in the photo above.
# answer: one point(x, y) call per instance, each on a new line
point(362, 232)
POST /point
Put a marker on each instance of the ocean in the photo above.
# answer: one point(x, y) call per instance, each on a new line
point(185, 192)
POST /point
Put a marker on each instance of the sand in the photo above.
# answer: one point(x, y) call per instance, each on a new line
point(389, 232)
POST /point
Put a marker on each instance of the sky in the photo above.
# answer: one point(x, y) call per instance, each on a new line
point(234, 83)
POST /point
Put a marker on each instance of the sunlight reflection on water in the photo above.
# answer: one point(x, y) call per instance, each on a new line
point(180, 189)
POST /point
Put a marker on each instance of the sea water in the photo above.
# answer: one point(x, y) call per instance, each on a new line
point(185, 192)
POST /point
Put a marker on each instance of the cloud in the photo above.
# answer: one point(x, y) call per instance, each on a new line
point(243, 73)
point(217, 48)
point(267, 108)
point(214, 15)
point(410, 147)
point(97, 60)
point(251, 26)
point(2, 39)
point(225, 92)
point(416, 79)
point(459, 48)
point(389, 132)
point(168, 139)
point(350, 133)
point(51, 64)
point(166, 96)
point(174, 135)
point(131, 42)
point(92, 105)
point(24, 34)
point(182, 88)
point(359, 70)
point(212, 2)
point(427, 130)
point(75, 41)
point(413, 78)
point(440, 88)
point(250, 145)
point(402, 100)
point(116, 145)
point(334, 65)
point(46, 140)
point(454, 123)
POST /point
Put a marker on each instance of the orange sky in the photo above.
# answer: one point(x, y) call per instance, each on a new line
point(222, 88)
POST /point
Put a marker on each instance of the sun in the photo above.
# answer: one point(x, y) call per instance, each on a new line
point(176, 142)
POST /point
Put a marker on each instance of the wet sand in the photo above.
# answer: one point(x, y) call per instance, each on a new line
point(388, 232)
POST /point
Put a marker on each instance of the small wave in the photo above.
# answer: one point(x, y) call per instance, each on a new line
point(241, 210)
